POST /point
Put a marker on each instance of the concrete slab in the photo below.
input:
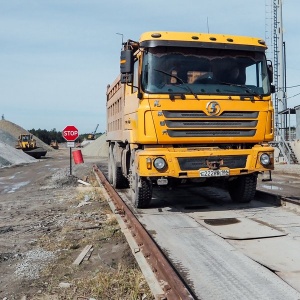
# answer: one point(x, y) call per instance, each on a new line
point(292, 278)
point(239, 228)
point(280, 254)
point(211, 266)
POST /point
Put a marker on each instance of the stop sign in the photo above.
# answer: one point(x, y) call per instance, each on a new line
point(70, 133)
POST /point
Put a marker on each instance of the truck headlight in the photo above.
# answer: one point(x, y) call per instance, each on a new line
point(159, 163)
point(265, 159)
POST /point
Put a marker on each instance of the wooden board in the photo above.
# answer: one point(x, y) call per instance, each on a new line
point(81, 256)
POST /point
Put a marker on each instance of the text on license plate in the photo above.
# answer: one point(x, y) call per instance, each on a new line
point(214, 173)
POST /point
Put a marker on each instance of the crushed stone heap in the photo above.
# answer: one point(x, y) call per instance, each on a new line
point(98, 147)
point(11, 156)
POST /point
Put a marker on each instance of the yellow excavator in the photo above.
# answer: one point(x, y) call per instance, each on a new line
point(27, 143)
point(91, 136)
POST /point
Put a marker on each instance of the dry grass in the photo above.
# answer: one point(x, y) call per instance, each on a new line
point(110, 273)
point(120, 283)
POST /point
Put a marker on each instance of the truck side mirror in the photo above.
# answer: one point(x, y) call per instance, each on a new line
point(273, 89)
point(126, 66)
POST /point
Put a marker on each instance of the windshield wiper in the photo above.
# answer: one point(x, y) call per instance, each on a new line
point(245, 87)
point(178, 78)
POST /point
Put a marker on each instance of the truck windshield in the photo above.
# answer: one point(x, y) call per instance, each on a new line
point(173, 70)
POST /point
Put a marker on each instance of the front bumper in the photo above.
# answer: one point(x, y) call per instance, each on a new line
point(188, 162)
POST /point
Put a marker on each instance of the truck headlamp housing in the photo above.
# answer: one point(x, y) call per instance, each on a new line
point(159, 163)
point(265, 159)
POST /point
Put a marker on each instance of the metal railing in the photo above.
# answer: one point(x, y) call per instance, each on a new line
point(285, 148)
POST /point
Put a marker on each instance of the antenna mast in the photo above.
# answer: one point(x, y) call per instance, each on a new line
point(280, 99)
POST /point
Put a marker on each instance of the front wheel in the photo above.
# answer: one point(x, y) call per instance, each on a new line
point(243, 188)
point(141, 191)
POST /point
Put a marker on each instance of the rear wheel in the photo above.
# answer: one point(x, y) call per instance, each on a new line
point(118, 180)
point(243, 188)
point(110, 166)
point(115, 175)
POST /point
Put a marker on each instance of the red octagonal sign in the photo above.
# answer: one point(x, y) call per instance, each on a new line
point(70, 133)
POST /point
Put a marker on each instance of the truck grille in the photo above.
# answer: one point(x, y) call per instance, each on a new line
point(201, 114)
point(207, 133)
point(238, 124)
point(215, 124)
point(195, 163)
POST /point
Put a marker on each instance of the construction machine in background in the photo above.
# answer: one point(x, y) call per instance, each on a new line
point(54, 144)
point(27, 144)
point(91, 136)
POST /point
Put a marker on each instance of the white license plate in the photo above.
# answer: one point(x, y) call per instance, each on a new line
point(214, 173)
point(162, 181)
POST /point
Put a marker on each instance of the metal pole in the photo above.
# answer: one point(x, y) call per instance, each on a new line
point(290, 125)
point(281, 75)
point(70, 161)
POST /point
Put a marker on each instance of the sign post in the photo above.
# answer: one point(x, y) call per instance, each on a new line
point(70, 134)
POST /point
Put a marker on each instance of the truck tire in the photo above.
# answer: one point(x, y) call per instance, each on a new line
point(109, 166)
point(141, 191)
point(243, 188)
point(118, 180)
point(115, 175)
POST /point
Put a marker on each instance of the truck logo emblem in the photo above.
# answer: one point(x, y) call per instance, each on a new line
point(213, 108)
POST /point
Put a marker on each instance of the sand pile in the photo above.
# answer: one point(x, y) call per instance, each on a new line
point(98, 147)
point(9, 133)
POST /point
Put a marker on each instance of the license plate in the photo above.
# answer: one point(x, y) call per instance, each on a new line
point(214, 173)
point(162, 181)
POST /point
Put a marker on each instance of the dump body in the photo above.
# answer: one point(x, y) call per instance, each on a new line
point(190, 107)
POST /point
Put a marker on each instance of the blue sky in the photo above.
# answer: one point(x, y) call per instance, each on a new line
point(57, 56)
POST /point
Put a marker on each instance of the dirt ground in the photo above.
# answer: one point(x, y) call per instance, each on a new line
point(46, 220)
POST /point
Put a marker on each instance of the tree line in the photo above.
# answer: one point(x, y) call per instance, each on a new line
point(53, 135)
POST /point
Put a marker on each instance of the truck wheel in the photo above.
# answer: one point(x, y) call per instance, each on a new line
point(115, 175)
point(141, 191)
point(118, 180)
point(110, 166)
point(243, 188)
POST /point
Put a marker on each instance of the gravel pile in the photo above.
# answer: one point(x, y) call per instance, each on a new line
point(7, 138)
point(11, 156)
point(9, 133)
point(98, 147)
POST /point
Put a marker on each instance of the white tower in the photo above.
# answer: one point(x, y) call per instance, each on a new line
point(280, 100)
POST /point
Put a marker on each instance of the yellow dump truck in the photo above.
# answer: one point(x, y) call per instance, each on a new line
point(190, 108)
